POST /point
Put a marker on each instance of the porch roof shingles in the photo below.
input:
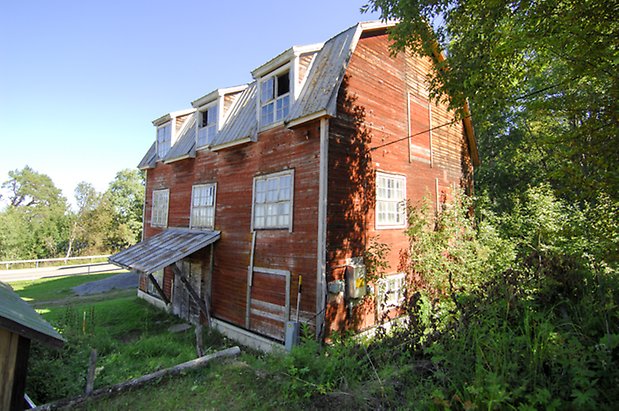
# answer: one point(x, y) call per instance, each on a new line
point(164, 249)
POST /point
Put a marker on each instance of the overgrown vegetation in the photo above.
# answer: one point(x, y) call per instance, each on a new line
point(131, 338)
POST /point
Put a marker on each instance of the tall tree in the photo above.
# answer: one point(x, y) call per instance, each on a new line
point(542, 79)
point(38, 214)
point(125, 197)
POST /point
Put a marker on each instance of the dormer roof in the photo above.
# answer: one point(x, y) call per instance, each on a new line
point(317, 96)
point(283, 58)
point(169, 116)
point(215, 94)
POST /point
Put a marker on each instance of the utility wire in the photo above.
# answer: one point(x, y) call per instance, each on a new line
point(469, 115)
point(421, 132)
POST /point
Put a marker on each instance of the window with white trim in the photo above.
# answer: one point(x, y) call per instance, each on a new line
point(150, 288)
point(391, 290)
point(274, 98)
point(159, 215)
point(273, 200)
point(203, 206)
point(207, 126)
point(164, 139)
point(390, 200)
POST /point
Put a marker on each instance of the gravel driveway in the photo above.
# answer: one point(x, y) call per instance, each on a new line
point(118, 282)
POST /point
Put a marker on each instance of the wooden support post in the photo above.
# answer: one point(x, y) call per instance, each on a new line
point(92, 366)
point(193, 294)
point(199, 341)
point(158, 288)
point(250, 278)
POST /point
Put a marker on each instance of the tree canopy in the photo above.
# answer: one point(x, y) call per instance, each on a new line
point(39, 223)
point(542, 79)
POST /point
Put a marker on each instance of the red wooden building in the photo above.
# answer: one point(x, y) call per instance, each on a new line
point(292, 175)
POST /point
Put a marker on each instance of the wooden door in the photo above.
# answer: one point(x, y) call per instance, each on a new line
point(269, 302)
point(183, 305)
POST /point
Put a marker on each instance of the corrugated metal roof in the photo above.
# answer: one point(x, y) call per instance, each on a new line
point(163, 249)
point(150, 158)
point(20, 318)
point(185, 145)
point(242, 121)
point(319, 94)
point(325, 76)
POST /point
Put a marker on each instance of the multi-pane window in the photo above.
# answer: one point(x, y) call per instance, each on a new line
point(390, 201)
point(207, 126)
point(203, 206)
point(159, 217)
point(274, 98)
point(164, 139)
point(391, 290)
point(273, 200)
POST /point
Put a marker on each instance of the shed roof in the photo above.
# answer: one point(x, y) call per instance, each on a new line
point(19, 317)
point(185, 145)
point(163, 249)
point(150, 158)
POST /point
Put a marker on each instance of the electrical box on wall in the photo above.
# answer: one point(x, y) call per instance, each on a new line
point(355, 278)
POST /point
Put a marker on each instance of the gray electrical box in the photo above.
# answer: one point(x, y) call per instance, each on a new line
point(355, 278)
point(292, 334)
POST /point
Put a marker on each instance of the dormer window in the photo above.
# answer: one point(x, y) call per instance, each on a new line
point(207, 128)
point(164, 139)
point(274, 98)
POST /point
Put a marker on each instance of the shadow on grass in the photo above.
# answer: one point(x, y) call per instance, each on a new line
point(46, 289)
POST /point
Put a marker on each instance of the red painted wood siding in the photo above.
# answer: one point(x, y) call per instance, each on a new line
point(233, 170)
point(372, 112)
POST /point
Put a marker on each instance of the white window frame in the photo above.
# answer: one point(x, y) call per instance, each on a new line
point(164, 145)
point(261, 202)
point(150, 287)
point(159, 218)
point(386, 201)
point(210, 130)
point(274, 119)
point(390, 291)
point(209, 209)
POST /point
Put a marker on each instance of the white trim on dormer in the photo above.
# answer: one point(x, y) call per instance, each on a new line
point(172, 115)
point(220, 92)
point(286, 68)
point(284, 57)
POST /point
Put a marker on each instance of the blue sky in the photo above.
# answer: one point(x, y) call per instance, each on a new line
point(81, 81)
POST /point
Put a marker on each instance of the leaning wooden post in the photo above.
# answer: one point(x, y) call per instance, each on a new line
point(199, 340)
point(90, 379)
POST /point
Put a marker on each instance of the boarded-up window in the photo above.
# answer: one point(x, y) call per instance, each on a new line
point(203, 206)
point(390, 201)
point(159, 216)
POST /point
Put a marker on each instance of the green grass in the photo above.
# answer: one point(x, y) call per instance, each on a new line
point(45, 289)
point(131, 338)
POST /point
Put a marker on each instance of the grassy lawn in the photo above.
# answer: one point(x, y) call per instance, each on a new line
point(131, 338)
point(53, 288)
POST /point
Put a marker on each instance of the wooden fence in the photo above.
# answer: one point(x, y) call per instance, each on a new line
point(26, 263)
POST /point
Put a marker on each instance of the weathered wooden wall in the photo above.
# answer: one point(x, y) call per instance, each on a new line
point(373, 111)
point(14, 351)
point(233, 170)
